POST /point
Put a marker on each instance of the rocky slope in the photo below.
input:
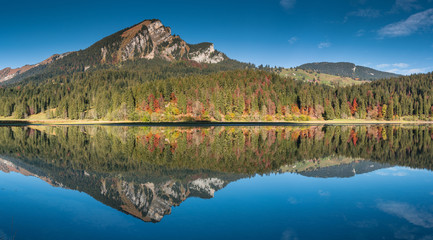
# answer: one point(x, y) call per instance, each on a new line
point(9, 73)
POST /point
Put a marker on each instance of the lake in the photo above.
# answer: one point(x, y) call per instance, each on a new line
point(222, 182)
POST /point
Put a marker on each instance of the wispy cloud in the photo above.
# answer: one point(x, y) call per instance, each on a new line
point(324, 45)
point(324, 193)
point(292, 200)
point(366, 13)
point(287, 4)
point(400, 65)
point(408, 212)
point(402, 69)
point(292, 40)
point(396, 65)
point(385, 65)
point(360, 33)
point(397, 174)
point(413, 24)
point(289, 235)
point(405, 5)
point(408, 71)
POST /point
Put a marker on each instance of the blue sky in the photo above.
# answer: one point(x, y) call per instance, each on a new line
point(394, 35)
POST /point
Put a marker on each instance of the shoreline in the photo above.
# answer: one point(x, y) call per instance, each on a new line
point(13, 122)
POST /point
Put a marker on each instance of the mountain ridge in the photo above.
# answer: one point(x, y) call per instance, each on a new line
point(347, 69)
point(149, 39)
point(9, 73)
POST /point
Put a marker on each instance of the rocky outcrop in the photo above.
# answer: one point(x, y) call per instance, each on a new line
point(207, 55)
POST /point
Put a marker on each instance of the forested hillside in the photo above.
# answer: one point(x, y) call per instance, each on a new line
point(186, 90)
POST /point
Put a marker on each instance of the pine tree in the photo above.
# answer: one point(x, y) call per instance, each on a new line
point(329, 111)
point(389, 111)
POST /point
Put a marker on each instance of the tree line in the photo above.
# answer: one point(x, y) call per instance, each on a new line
point(240, 150)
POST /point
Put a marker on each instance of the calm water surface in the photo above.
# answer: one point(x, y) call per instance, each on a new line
point(344, 182)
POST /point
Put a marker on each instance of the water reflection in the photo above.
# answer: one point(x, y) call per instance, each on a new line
point(144, 172)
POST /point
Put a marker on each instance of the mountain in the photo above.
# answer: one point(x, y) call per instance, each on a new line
point(148, 40)
point(9, 73)
point(345, 69)
point(148, 199)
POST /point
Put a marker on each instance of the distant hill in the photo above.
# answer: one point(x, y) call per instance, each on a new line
point(317, 77)
point(345, 69)
point(345, 170)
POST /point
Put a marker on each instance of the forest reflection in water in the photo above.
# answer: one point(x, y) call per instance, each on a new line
point(145, 171)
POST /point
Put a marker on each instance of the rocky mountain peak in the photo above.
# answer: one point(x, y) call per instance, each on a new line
point(151, 39)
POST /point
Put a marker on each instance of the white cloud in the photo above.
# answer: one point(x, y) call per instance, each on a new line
point(413, 24)
point(382, 173)
point(405, 5)
point(287, 4)
point(399, 174)
point(324, 45)
point(408, 212)
point(396, 172)
point(395, 65)
point(292, 40)
point(408, 71)
point(401, 68)
point(400, 65)
point(385, 65)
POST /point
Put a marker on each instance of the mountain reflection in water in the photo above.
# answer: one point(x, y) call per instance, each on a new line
point(145, 171)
